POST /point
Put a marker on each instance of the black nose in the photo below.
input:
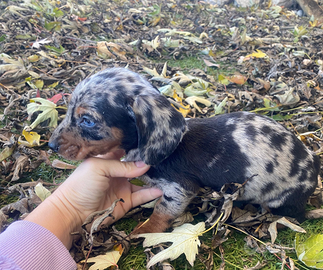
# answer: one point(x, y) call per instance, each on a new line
point(53, 145)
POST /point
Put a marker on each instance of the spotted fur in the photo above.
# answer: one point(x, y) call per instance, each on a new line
point(118, 109)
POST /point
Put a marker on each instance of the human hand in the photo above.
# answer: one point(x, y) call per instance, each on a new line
point(98, 182)
point(93, 186)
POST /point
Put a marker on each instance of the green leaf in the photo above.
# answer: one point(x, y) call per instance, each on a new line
point(51, 25)
point(6, 152)
point(219, 109)
point(279, 117)
point(223, 79)
point(3, 37)
point(58, 13)
point(310, 252)
point(47, 109)
point(59, 50)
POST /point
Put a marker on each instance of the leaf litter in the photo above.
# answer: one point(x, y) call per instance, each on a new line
point(264, 59)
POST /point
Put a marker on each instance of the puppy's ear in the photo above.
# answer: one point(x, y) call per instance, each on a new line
point(159, 125)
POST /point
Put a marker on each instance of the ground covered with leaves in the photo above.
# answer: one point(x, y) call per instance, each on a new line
point(207, 60)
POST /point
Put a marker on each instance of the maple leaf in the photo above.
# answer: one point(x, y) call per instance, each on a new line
point(48, 110)
point(106, 260)
point(184, 238)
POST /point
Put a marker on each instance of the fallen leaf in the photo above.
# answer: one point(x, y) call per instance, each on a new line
point(38, 43)
point(55, 98)
point(310, 252)
point(223, 79)
point(210, 64)
point(258, 54)
point(198, 88)
point(6, 152)
point(184, 238)
point(62, 165)
point(110, 50)
point(10, 64)
point(47, 109)
point(32, 139)
point(289, 98)
point(219, 109)
point(237, 79)
point(273, 228)
point(42, 192)
point(106, 260)
point(192, 101)
point(154, 73)
point(184, 109)
point(21, 162)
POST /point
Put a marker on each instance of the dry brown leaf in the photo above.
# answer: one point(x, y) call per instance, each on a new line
point(283, 221)
point(58, 164)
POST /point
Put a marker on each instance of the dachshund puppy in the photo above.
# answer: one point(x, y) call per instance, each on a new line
point(118, 109)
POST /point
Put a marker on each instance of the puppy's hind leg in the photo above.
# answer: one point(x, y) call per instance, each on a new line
point(170, 206)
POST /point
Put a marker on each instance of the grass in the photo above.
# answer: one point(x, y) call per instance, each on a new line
point(237, 254)
point(49, 174)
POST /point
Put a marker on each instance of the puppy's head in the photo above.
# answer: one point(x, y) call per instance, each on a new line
point(118, 109)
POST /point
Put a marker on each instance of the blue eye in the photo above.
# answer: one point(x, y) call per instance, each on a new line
point(86, 121)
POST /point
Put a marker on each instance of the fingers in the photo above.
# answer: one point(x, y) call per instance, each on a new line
point(115, 168)
point(145, 195)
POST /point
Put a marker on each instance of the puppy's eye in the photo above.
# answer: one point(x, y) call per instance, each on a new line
point(87, 121)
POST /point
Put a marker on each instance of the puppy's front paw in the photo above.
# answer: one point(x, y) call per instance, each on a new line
point(155, 224)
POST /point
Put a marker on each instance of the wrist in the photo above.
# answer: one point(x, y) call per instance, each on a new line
point(57, 215)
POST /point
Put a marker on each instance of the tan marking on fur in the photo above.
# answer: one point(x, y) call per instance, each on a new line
point(117, 133)
point(81, 110)
point(72, 146)
point(158, 222)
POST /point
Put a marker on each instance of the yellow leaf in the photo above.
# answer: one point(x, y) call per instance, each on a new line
point(109, 259)
point(223, 79)
point(184, 111)
point(39, 84)
point(53, 85)
point(258, 54)
point(33, 58)
point(32, 139)
point(155, 21)
point(42, 192)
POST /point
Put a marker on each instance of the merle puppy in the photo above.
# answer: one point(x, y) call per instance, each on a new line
point(118, 109)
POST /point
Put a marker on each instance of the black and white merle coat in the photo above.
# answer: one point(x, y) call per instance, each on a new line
point(118, 109)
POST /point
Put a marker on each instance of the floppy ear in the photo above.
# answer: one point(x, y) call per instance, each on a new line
point(159, 125)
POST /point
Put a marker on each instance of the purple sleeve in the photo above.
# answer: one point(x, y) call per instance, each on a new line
point(26, 245)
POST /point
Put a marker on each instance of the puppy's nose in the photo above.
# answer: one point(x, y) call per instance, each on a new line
point(53, 145)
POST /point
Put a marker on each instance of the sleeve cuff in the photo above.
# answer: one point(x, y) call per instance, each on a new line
point(31, 246)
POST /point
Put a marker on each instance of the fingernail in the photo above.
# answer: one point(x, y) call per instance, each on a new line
point(140, 164)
